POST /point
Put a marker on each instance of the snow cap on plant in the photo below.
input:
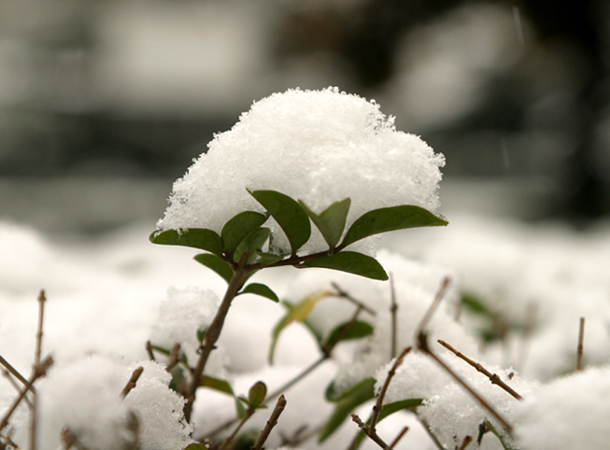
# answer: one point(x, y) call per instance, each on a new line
point(316, 146)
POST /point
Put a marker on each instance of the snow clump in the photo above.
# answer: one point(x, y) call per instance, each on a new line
point(317, 146)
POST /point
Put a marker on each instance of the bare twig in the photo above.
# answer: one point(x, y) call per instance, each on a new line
point(439, 296)
point(37, 354)
point(9, 441)
point(344, 294)
point(17, 387)
point(581, 337)
point(272, 422)
point(14, 372)
point(426, 426)
point(465, 443)
point(393, 309)
point(372, 435)
point(149, 351)
point(494, 378)
point(132, 381)
point(379, 403)
point(399, 436)
point(174, 357)
point(41, 301)
point(229, 440)
point(38, 372)
point(70, 439)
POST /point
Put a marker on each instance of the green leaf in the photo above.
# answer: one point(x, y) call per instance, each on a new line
point(288, 214)
point(200, 238)
point(331, 222)
point(503, 438)
point(390, 219)
point(223, 386)
point(201, 332)
point(252, 245)
point(266, 259)
point(240, 226)
point(298, 313)
point(473, 304)
point(260, 289)
point(349, 331)
point(345, 405)
point(351, 262)
point(387, 410)
point(218, 265)
point(196, 446)
point(257, 394)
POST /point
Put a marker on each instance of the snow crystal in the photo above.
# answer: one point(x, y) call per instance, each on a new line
point(317, 146)
point(569, 412)
point(85, 397)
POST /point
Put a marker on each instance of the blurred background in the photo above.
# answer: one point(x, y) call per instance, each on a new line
point(103, 104)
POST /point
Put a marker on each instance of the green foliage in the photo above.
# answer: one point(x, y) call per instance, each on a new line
point(296, 313)
point(345, 403)
point(288, 214)
point(223, 386)
point(351, 262)
point(196, 446)
point(331, 221)
point(390, 219)
point(239, 228)
point(217, 264)
point(256, 397)
point(260, 289)
point(504, 438)
point(252, 244)
point(200, 238)
point(348, 331)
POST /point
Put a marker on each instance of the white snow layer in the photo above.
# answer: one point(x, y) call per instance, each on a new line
point(316, 146)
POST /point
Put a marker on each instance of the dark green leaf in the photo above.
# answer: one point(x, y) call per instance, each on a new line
point(288, 214)
point(252, 244)
point(349, 331)
point(218, 265)
point(298, 313)
point(161, 350)
point(267, 259)
point(331, 222)
point(196, 446)
point(473, 304)
point(201, 238)
point(201, 332)
point(345, 405)
point(257, 394)
point(240, 226)
point(351, 262)
point(262, 290)
point(216, 384)
point(387, 410)
point(390, 219)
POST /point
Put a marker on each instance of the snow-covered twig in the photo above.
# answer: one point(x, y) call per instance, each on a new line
point(132, 381)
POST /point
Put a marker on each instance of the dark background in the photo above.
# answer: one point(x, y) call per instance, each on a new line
point(104, 103)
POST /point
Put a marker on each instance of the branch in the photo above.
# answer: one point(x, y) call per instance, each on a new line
point(439, 296)
point(34, 411)
point(465, 443)
point(132, 381)
point(272, 422)
point(494, 378)
point(393, 309)
point(344, 294)
point(581, 336)
point(371, 434)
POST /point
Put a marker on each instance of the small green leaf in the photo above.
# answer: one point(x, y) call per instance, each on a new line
point(473, 304)
point(351, 262)
point(390, 219)
point(201, 332)
point(288, 214)
point(217, 264)
point(257, 394)
point(387, 410)
point(196, 446)
point(349, 331)
point(252, 245)
point(240, 226)
point(217, 384)
point(266, 259)
point(298, 313)
point(345, 405)
point(331, 222)
point(201, 238)
point(262, 290)
point(503, 438)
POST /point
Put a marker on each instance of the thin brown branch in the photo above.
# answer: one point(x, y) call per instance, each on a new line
point(132, 381)
point(16, 385)
point(439, 296)
point(433, 437)
point(9, 441)
point(149, 351)
point(379, 403)
point(393, 310)
point(41, 302)
point(213, 333)
point(38, 372)
point(494, 378)
point(344, 294)
point(174, 357)
point(70, 439)
point(399, 436)
point(465, 443)
point(14, 372)
point(37, 355)
point(272, 422)
point(581, 337)
point(423, 346)
point(370, 433)
point(229, 440)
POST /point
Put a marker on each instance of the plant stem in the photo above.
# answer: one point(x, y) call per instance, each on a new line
point(213, 332)
point(272, 422)
point(581, 337)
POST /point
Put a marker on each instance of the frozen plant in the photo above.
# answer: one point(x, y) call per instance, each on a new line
point(297, 158)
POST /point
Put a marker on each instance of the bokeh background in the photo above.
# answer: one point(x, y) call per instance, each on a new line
point(103, 104)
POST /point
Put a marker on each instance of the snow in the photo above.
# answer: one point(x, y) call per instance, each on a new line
point(317, 146)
